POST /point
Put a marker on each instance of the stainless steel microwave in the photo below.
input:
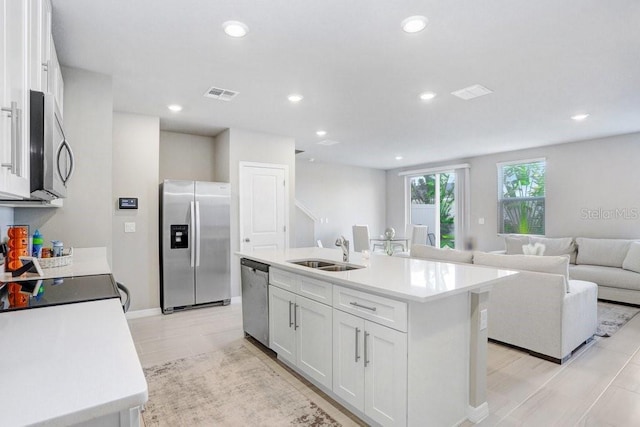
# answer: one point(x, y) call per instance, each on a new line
point(51, 157)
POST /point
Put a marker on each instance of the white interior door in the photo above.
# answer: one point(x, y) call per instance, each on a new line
point(263, 206)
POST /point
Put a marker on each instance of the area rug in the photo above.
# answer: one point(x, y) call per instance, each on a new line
point(612, 317)
point(228, 387)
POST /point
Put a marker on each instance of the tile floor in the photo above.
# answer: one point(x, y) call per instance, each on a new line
point(598, 386)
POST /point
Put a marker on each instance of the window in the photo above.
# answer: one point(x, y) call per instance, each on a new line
point(434, 205)
point(521, 197)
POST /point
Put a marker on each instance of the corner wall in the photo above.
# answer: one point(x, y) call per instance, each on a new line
point(85, 218)
point(136, 140)
point(187, 157)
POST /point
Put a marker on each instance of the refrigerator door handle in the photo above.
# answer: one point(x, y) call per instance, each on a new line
point(194, 236)
point(197, 234)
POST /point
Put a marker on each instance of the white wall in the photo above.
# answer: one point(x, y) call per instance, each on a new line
point(221, 160)
point(185, 156)
point(6, 219)
point(135, 174)
point(599, 175)
point(85, 219)
point(342, 196)
point(251, 146)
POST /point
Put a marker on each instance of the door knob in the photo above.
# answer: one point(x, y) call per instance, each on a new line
point(247, 240)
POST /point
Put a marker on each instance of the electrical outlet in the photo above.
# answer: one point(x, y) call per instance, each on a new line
point(129, 227)
point(481, 221)
point(483, 319)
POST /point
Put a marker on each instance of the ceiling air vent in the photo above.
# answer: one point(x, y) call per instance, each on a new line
point(471, 92)
point(328, 142)
point(221, 94)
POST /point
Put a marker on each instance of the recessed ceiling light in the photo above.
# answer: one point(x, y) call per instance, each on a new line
point(175, 108)
point(321, 132)
point(414, 24)
point(399, 157)
point(235, 29)
point(427, 96)
point(294, 97)
point(579, 117)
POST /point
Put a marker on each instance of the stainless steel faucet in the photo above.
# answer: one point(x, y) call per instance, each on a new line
point(344, 245)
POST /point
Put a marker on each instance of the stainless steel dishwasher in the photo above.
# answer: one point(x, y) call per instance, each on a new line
point(255, 299)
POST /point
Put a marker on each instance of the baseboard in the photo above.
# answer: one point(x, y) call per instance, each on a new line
point(136, 314)
point(479, 413)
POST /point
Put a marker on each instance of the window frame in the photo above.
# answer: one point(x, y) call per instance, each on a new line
point(501, 199)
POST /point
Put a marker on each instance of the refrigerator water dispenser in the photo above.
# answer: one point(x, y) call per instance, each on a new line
point(179, 236)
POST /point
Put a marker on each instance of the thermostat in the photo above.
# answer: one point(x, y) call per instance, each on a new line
point(128, 203)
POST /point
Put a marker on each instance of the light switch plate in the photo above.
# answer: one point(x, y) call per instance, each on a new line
point(129, 227)
point(483, 319)
point(481, 221)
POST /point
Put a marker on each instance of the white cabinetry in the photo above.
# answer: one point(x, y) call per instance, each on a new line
point(300, 331)
point(370, 368)
point(44, 75)
point(14, 99)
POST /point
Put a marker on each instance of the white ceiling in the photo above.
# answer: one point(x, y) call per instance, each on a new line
point(361, 75)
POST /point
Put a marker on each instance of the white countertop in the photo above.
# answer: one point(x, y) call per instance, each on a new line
point(404, 278)
point(67, 364)
point(86, 262)
point(70, 363)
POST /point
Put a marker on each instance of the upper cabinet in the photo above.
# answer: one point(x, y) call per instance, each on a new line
point(28, 61)
point(44, 74)
point(14, 99)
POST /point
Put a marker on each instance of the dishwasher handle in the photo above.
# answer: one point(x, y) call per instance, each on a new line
point(254, 265)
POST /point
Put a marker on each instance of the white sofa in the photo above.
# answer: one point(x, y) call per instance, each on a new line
point(538, 310)
point(614, 264)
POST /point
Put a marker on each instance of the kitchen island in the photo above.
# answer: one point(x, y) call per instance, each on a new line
point(73, 364)
point(399, 341)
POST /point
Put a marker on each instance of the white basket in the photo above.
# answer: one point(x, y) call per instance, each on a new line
point(58, 261)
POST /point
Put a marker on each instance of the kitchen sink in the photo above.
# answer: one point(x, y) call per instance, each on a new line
point(325, 265)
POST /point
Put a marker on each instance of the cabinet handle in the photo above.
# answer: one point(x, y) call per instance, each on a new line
point(357, 355)
point(355, 304)
point(14, 113)
point(290, 322)
point(366, 353)
point(295, 317)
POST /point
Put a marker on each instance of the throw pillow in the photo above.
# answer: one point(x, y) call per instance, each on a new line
point(632, 260)
point(437, 254)
point(557, 246)
point(513, 244)
point(533, 249)
point(605, 252)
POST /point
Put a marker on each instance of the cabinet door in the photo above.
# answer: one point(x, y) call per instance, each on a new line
point(348, 361)
point(56, 84)
point(385, 374)
point(39, 51)
point(282, 335)
point(14, 101)
point(314, 345)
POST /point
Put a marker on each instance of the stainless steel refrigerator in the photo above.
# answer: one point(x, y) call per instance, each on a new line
point(195, 251)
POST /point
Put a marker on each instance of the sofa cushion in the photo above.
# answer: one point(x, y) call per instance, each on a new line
point(606, 276)
point(604, 252)
point(449, 255)
point(557, 246)
point(542, 264)
point(513, 244)
point(632, 260)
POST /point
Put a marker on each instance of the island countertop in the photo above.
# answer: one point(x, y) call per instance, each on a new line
point(403, 278)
